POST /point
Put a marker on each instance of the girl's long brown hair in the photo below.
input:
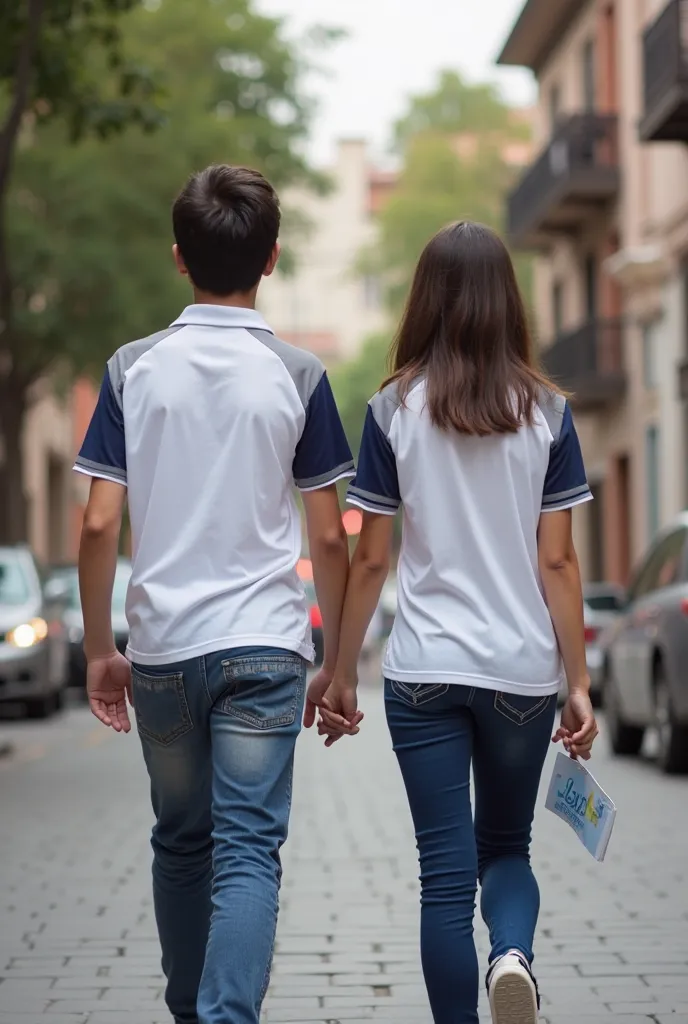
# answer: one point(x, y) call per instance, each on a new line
point(465, 331)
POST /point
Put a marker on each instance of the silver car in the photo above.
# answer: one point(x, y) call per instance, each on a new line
point(646, 683)
point(33, 643)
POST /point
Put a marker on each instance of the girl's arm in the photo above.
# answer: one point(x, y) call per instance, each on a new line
point(369, 568)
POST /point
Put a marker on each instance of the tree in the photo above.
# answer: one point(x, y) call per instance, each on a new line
point(51, 61)
point(457, 106)
point(452, 142)
point(89, 225)
point(356, 381)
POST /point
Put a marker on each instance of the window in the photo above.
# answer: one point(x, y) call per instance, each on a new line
point(590, 284)
point(662, 567)
point(554, 107)
point(557, 307)
point(13, 584)
point(588, 66)
point(652, 480)
point(648, 343)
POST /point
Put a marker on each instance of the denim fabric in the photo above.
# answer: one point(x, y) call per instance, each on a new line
point(218, 736)
point(438, 731)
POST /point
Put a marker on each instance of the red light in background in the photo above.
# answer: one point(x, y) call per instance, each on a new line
point(353, 521)
point(316, 617)
point(591, 634)
point(304, 568)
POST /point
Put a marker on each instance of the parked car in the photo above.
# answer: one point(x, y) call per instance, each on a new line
point(603, 603)
point(33, 643)
point(646, 684)
point(74, 620)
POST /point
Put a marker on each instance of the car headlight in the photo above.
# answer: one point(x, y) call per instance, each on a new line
point(28, 633)
point(76, 634)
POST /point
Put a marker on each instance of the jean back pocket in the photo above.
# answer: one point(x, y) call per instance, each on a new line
point(265, 691)
point(521, 709)
point(162, 711)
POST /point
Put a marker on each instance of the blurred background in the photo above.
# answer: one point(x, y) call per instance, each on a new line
point(564, 125)
point(561, 123)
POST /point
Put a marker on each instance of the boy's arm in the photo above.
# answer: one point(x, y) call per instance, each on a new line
point(329, 552)
point(103, 458)
point(97, 564)
point(322, 458)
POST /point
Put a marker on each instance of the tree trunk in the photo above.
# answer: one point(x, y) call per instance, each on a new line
point(13, 505)
point(13, 401)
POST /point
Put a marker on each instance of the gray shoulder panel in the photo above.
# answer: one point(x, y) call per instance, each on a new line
point(125, 357)
point(552, 406)
point(304, 368)
point(383, 406)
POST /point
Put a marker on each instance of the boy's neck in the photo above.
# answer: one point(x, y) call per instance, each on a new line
point(243, 300)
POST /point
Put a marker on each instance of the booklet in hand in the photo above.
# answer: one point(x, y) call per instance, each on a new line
point(576, 798)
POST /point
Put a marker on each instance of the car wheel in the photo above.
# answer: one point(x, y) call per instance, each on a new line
point(625, 739)
point(672, 747)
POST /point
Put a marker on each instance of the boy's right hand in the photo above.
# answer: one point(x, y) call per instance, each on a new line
point(339, 714)
point(578, 727)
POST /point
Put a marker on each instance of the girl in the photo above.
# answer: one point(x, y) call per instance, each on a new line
point(479, 450)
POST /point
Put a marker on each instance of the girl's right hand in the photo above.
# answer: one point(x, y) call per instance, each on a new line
point(578, 727)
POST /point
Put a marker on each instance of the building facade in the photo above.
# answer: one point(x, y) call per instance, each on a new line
point(326, 305)
point(604, 204)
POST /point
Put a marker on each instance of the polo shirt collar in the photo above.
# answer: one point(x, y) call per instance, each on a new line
point(207, 315)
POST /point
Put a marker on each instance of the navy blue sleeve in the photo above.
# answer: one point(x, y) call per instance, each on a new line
point(103, 453)
point(322, 454)
point(375, 487)
point(566, 484)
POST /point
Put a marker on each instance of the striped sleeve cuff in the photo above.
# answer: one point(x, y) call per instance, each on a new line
point(314, 483)
point(95, 469)
point(566, 499)
point(377, 503)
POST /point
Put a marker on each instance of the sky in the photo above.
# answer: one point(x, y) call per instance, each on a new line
point(396, 48)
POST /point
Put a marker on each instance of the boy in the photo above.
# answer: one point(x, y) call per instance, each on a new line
point(205, 427)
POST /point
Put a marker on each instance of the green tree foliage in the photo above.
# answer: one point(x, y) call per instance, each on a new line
point(452, 144)
point(456, 106)
point(356, 381)
point(88, 208)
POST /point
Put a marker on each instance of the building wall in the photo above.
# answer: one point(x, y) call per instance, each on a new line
point(326, 305)
point(652, 210)
point(47, 462)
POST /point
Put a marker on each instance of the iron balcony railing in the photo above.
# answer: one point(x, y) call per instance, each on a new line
point(578, 168)
point(665, 62)
point(588, 362)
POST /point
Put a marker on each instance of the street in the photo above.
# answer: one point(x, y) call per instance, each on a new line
point(78, 942)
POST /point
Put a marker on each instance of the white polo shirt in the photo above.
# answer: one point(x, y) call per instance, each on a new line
point(210, 424)
point(471, 608)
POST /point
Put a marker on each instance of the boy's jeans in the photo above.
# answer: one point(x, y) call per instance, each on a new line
point(218, 735)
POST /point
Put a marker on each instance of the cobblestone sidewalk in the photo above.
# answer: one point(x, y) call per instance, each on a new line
point(77, 944)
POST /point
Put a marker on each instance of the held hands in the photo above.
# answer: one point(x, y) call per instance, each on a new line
point(336, 701)
point(108, 683)
point(578, 727)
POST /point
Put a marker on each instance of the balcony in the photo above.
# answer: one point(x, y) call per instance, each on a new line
point(569, 184)
point(588, 363)
point(665, 59)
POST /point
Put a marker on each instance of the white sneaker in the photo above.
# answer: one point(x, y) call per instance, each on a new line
point(512, 990)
